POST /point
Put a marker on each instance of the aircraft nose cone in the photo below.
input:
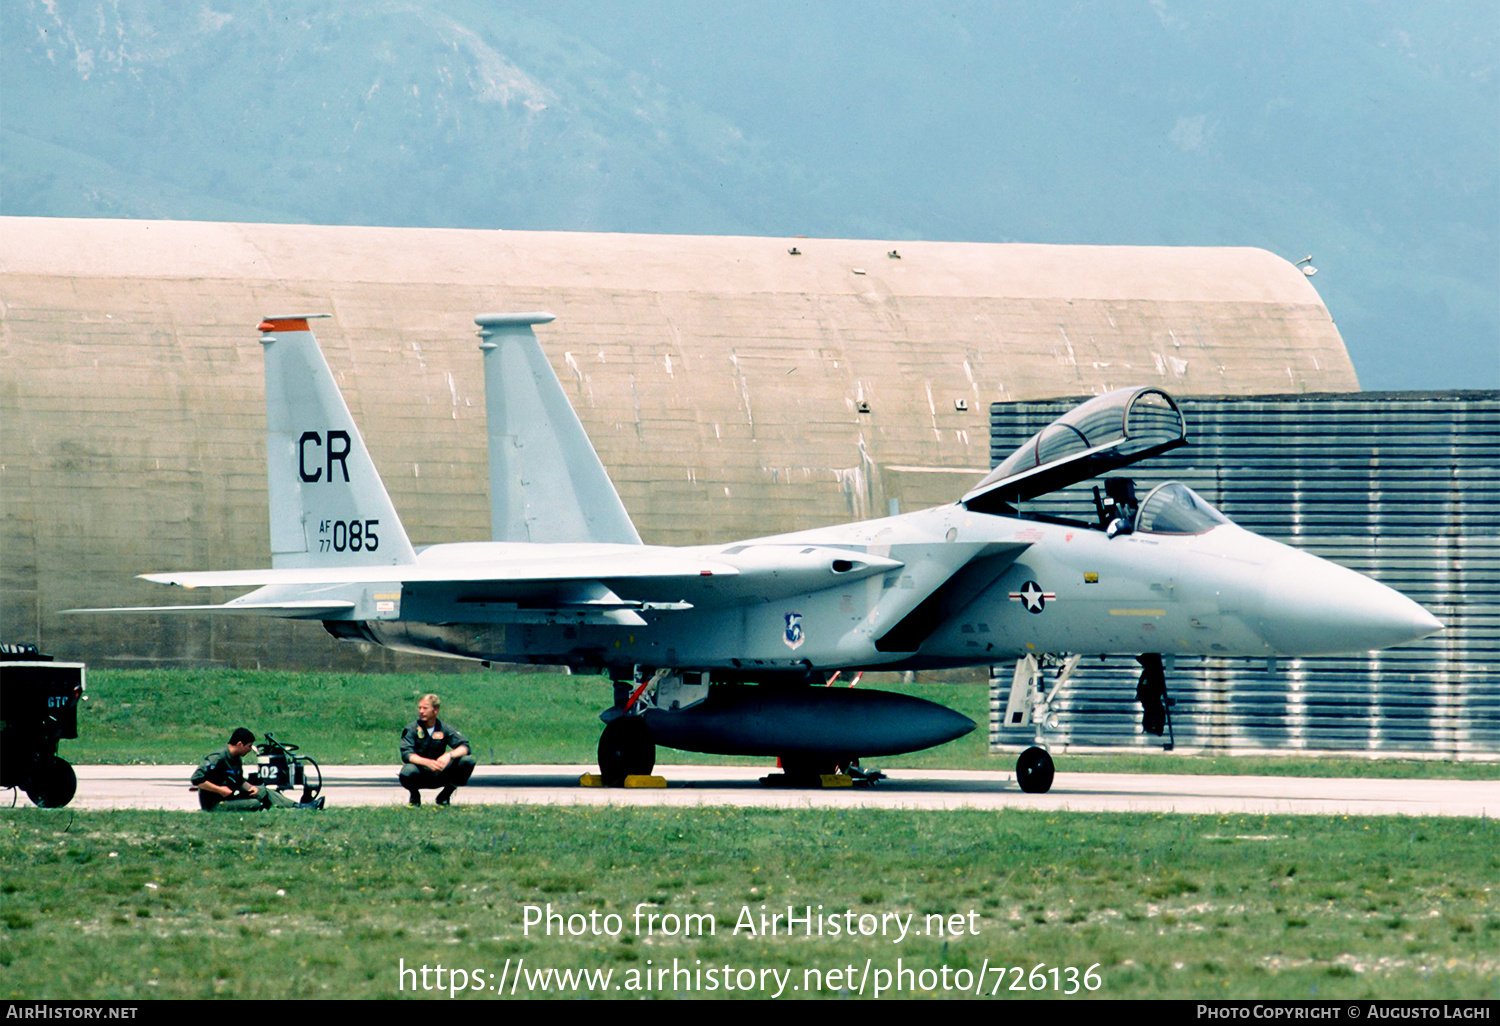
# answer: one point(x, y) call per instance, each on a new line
point(1314, 607)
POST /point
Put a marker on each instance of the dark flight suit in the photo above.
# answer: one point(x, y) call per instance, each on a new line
point(226, 770)
point(429, 744)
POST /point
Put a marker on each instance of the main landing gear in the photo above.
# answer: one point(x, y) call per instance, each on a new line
point(626, 749)
point(816, 732)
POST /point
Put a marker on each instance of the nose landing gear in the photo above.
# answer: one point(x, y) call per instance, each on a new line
point(1034, 771)
point(1029, 704)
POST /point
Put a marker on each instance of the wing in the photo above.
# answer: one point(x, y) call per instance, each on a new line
point(640, 563)
point(483, 582)
point(303, 609)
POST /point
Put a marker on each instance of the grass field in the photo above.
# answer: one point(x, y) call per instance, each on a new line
point(154, 904)
point(175, 716)
point(290, 904)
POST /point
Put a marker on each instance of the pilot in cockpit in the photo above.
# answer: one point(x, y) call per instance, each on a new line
point(1118, 507)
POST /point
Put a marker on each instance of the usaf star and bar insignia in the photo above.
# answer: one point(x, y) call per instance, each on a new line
point(1032, 597)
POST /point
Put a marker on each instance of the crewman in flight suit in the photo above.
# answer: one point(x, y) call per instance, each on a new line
point(221, 785)
point(434, 754)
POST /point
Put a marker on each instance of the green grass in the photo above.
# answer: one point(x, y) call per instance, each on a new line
point(175, 716)
point(155, 904)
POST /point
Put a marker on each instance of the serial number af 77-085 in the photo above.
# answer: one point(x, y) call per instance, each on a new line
point(348, 536)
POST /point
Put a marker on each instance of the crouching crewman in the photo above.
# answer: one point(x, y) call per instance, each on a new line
point(435, 755)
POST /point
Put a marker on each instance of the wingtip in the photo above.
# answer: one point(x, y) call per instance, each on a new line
point(169, 579)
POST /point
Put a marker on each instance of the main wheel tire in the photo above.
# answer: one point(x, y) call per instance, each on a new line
point(1034, 771)
point(807, 768)
point(54, 786)
point(626, 749)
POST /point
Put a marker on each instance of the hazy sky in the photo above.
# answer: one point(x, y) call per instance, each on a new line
point(1365, 134)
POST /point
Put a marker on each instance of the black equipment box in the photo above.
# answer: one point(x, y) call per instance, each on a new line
point(38, 707)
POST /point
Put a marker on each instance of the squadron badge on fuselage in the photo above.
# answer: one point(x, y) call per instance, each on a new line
point(793, 633)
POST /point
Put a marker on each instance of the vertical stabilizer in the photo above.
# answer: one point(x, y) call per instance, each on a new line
point(328, 504)
point(546, 481)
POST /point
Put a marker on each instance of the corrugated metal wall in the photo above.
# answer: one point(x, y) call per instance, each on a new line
point(1403, 487)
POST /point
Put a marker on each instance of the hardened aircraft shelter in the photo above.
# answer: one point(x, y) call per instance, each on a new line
point(732, 386)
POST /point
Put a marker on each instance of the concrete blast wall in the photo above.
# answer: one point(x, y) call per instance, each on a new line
point(724, 382)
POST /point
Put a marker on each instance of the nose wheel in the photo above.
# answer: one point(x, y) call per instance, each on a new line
point(1034, 771)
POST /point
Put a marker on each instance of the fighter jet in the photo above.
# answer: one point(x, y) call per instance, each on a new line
point(721, 648)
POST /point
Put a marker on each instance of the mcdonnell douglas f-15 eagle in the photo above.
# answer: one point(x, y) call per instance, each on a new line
point(711, 647)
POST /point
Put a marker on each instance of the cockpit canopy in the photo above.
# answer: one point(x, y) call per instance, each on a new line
point(1174, 508)
point(1109, 431)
